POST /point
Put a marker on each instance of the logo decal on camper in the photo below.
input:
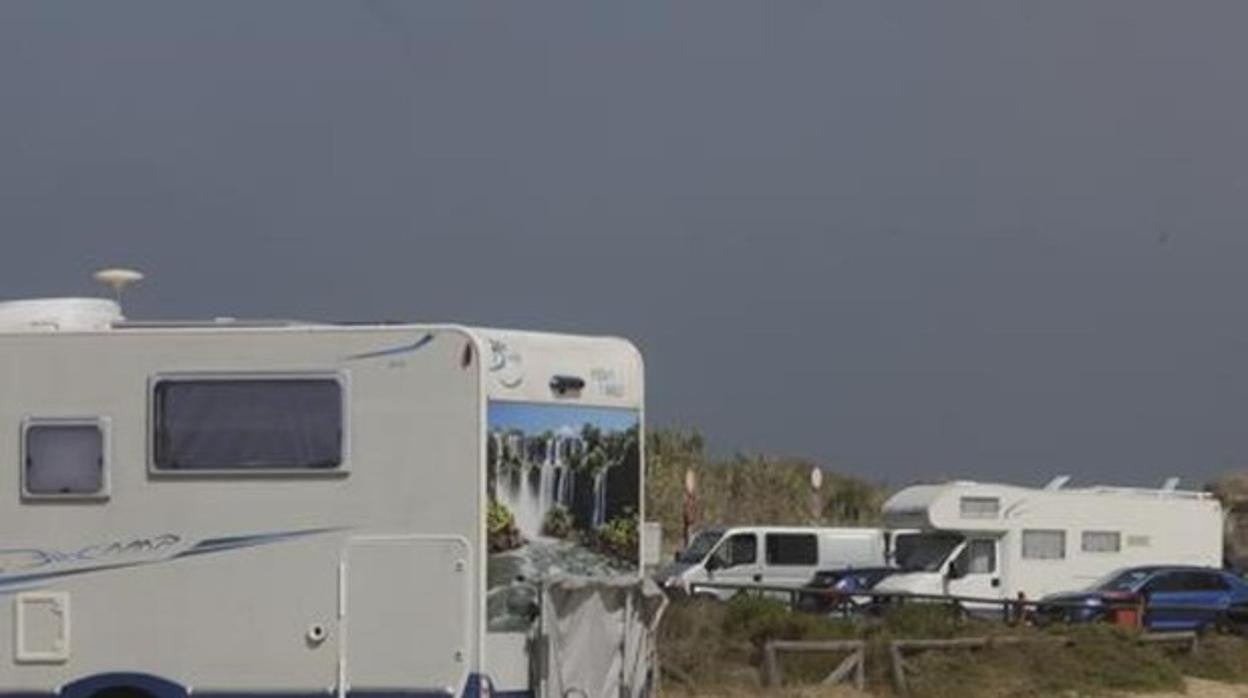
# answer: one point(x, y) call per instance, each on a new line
point(20, 567)
point(506, 365)
point(34, 558)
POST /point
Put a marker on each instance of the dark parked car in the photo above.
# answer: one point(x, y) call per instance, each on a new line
point(832, 590)
point(1172, 598)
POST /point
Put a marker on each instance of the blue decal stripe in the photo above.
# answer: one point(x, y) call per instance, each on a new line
point(23, 579)
point(216, 545)
point(405, 349)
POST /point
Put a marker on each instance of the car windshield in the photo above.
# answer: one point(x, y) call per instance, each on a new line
point(925, 552)
point(699, 547)
point(1122, 580)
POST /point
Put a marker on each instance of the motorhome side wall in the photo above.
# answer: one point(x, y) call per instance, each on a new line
point(1152, 527)
point(218, 583)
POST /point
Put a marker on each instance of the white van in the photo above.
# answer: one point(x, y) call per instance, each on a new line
point(772, 556)
point(994, 541)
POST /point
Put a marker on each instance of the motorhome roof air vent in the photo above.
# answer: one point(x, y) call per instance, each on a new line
point(53, 314)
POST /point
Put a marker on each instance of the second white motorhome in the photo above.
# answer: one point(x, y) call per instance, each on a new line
point(772, 556)
point(996, 541)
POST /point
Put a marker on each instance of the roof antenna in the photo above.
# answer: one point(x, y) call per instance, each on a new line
point(118, 279)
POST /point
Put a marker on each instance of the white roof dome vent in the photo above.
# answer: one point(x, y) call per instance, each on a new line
point(59, 314)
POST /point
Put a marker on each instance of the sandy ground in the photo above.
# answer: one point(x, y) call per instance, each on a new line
point(1196, 688)
point(1199, 688)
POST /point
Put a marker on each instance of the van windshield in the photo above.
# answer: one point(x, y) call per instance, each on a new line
point(699, 547)
point(925, 552)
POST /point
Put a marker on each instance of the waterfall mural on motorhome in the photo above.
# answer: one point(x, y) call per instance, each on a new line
point(564, 488)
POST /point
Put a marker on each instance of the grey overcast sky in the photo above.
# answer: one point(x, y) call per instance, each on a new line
point(908, 240)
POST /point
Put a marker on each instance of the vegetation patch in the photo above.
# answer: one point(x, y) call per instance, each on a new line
point(747, 489)
point(1219, 657)
point(706, 643)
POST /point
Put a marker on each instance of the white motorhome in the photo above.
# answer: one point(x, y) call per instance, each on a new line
point(996, 541)
point(289, 508)
point(784, 556)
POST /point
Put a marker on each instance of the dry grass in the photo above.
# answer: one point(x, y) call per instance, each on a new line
point(725, 691)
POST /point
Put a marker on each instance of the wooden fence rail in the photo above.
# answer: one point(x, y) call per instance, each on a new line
point(854, 664)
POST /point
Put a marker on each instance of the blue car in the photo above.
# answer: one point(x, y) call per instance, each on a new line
point(1173, 598)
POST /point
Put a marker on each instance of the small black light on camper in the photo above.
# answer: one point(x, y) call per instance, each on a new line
point(564, 385)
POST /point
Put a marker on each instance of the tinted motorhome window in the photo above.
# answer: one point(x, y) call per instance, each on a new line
point(64, 459)
point(252, 424)
point(796, 549)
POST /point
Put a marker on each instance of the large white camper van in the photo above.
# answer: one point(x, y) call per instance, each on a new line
point(996, 541)
point(287, 508)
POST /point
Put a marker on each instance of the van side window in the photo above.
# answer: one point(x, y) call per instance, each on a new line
point(792, 549)
point(741, 549)
point(247, 424)
point(63, 458)
point(1044, 545)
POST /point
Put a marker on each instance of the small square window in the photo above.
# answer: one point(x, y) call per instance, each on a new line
point(63, 458)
